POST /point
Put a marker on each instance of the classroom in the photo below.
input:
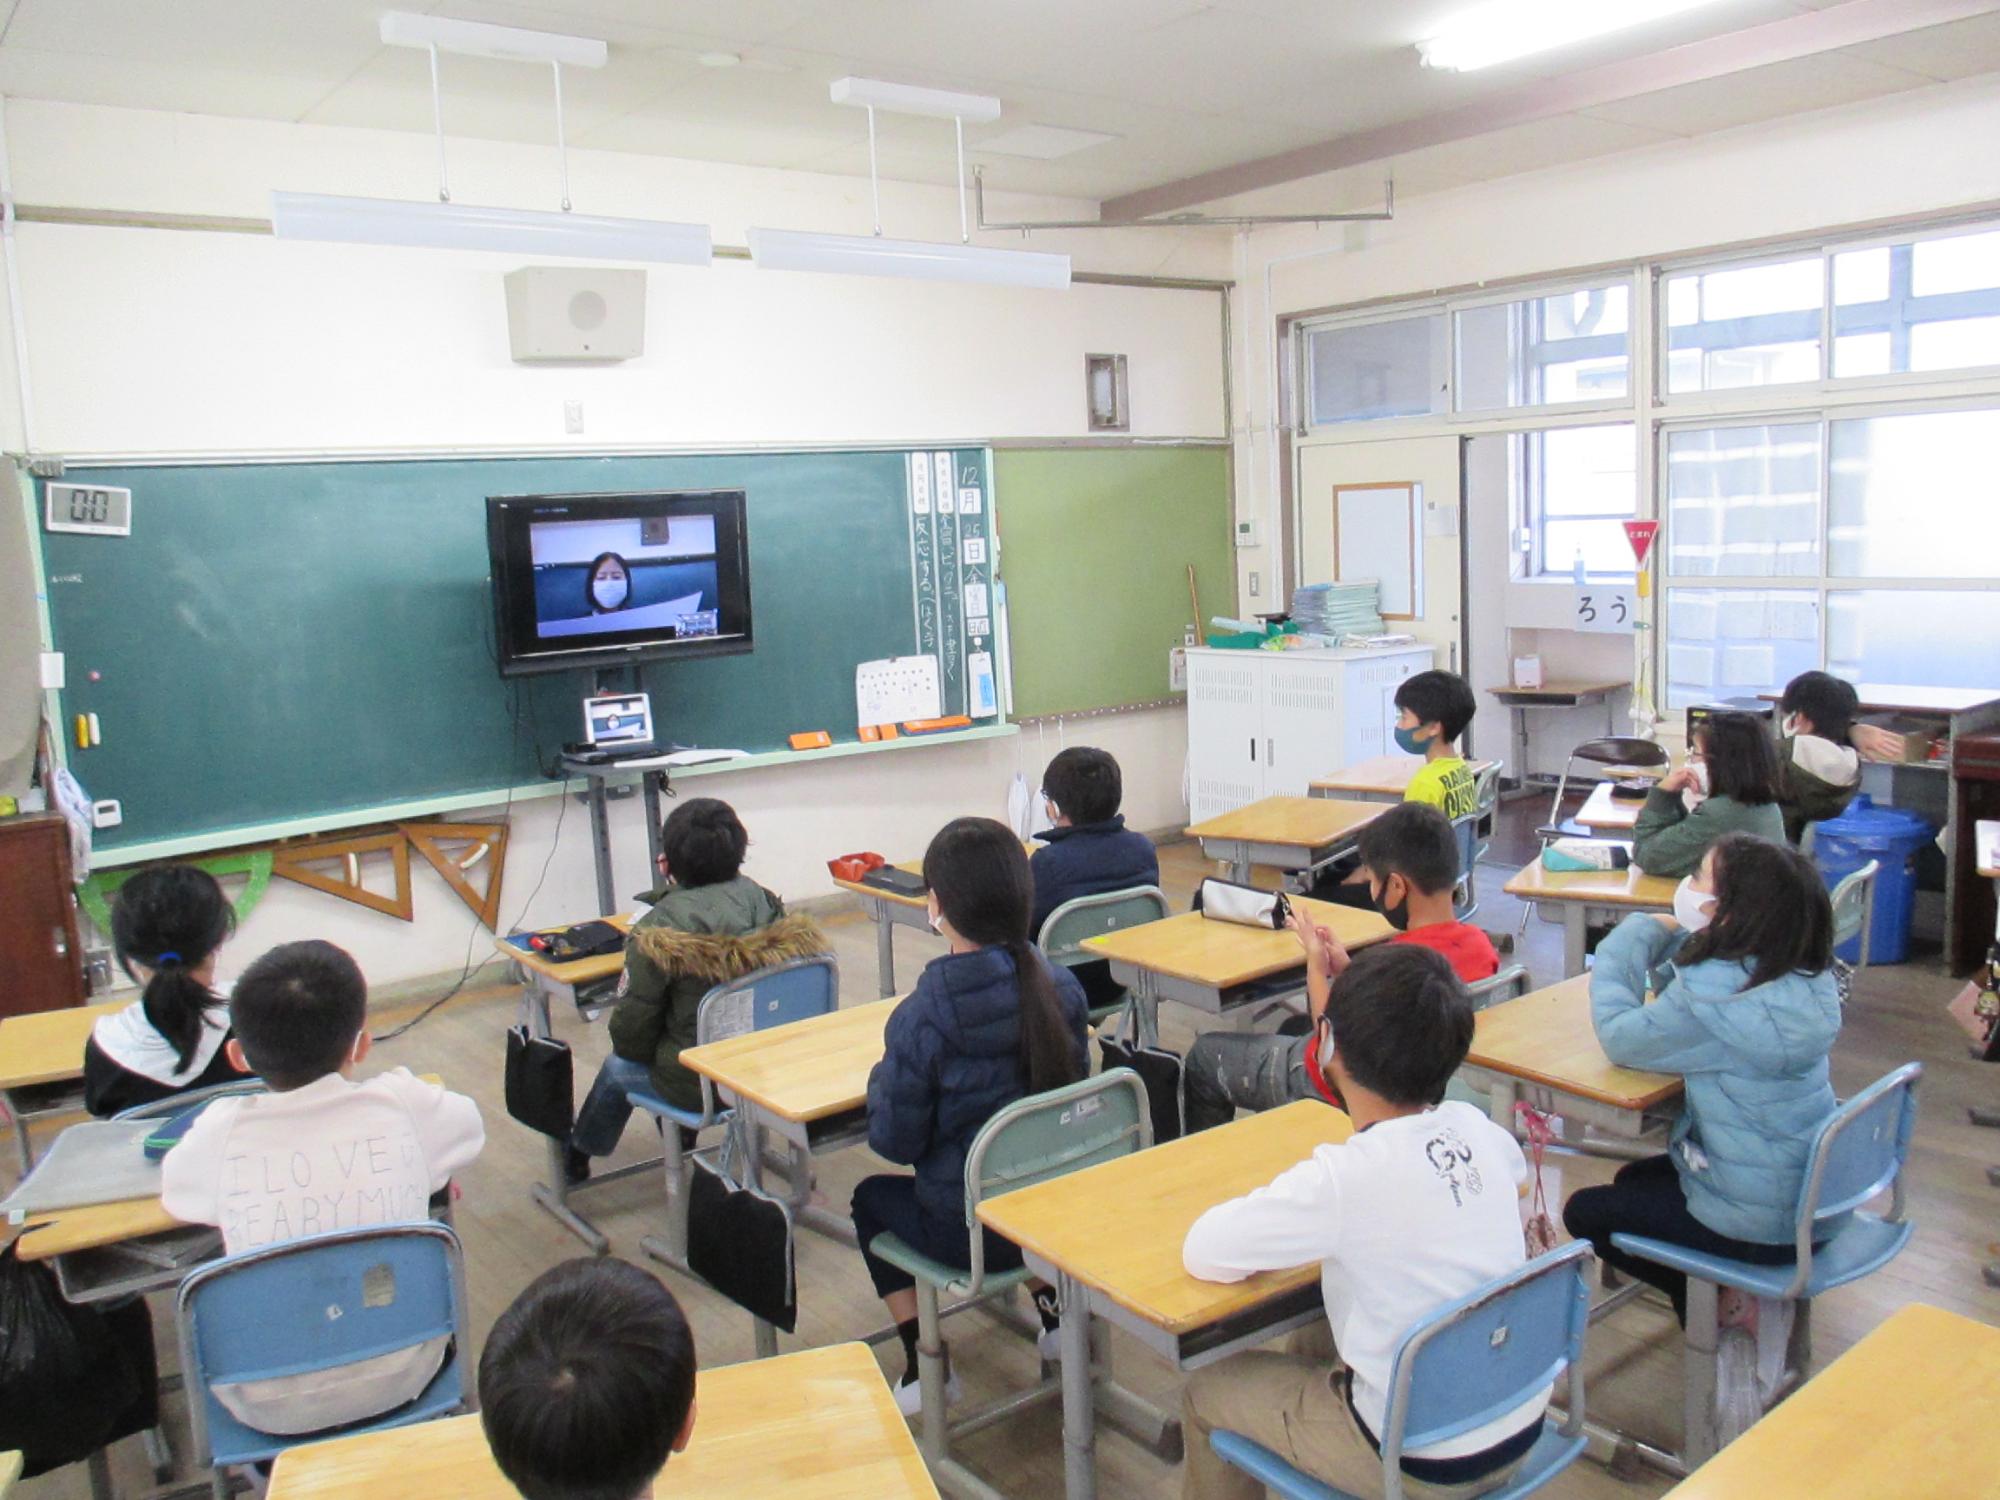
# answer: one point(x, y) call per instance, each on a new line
point(1221, 747)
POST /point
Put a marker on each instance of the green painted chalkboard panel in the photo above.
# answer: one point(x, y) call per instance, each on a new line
point(1094, 550)
point(277, 642)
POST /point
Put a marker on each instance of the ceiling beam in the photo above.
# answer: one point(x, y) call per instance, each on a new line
point(1847, 25)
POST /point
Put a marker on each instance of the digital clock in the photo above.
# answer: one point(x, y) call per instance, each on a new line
point(95, 509)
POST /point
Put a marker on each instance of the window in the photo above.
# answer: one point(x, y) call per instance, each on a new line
point(1579, 483)
point(1745, 326)
point(1737, 643)
point(1361, 372)
point(1914, 496)
point(1573, 346)
point(1926, 305)
point(1938, 637)
point(1743, 502)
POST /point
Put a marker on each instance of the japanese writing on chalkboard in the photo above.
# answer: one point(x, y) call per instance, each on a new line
point(951, 557)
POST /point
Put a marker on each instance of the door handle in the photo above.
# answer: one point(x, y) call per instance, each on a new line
point(1253, 749)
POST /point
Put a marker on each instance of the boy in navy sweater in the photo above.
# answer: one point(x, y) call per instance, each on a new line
point(1089, 852)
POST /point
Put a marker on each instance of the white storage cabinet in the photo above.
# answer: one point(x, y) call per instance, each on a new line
point(1266, 723)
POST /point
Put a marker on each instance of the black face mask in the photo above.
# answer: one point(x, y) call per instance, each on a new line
point(1397, 916)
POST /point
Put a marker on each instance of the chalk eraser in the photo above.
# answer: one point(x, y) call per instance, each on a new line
point(817, 739)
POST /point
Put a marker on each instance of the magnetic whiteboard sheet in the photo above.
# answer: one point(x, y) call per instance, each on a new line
point(1375, 536)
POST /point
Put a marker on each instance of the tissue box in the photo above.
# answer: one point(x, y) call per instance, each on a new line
point(1913, 739)
point(1527, 671)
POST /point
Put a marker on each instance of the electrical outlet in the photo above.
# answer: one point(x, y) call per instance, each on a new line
point(1256, 584)
point(572, 416)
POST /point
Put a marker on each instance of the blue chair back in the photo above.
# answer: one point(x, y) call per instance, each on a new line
point(316, 1304)
point(775, 996)
point(1859, 1153)
point(1476, 1359)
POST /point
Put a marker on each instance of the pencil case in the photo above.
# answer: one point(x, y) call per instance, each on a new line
point(1245, 905)
point(1566, 856)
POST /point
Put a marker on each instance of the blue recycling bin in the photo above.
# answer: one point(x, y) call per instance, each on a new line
point(1892, 837)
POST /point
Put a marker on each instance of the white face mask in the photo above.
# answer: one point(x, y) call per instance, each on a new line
point(1693, 796)
point(1691, 905)
point(1790, 728)
point(936, 919)
point(610, 592)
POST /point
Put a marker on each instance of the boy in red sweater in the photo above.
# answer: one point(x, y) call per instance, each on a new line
point(1410, 855)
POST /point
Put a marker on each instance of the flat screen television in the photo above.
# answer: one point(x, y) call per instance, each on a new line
point(610, 580)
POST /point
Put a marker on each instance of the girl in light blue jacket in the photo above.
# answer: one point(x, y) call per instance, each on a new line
point(1746, 1009)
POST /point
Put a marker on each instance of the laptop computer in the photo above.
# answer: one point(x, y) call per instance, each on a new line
point(618, 725)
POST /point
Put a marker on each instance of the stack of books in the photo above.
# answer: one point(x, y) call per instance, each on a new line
point(1334, 610)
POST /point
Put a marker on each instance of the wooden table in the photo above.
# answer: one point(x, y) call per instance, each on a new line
point(889, 910)
point(1543, 1049)
point(1211, 965)
point(41, 1059)
point(1603, 813)
point(1913, 1409)
point(1111, 1237)
point(1384, 779)
point(544, 980)
point(1292, 833)
point(820, 1422)
point(1591, 897)
point(1562, 694)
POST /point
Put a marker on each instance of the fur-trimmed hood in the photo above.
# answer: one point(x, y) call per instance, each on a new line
point(719, 956)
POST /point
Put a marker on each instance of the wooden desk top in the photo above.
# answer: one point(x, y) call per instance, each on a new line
point(1902, 697)
point(820, 1422)
point(1225, 954)
point(578, 971)
point(876, 893)
point(1628, 887)
point(1605, 813)
point(805, 1071)
point(1546, 1037)
point(1911, 1409)
point(1384, 775)
point(1297, 822)
point(1563, 691)
point(1154, 1197)
point(46, 1046)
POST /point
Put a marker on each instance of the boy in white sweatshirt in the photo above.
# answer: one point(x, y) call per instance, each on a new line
point(1416, 1209)
point(319, 1152)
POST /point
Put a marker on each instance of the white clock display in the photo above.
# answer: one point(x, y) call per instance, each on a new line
point(93, 508)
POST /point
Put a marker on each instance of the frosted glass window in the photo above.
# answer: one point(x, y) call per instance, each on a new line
point(1933, 637)
point(1737, 643)
point(1743, 502)
point(1367, 371)
point(1915, 497)
point(1574, 346)
point(1745, 326)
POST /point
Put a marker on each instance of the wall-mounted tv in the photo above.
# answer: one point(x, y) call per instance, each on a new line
point(611, 580)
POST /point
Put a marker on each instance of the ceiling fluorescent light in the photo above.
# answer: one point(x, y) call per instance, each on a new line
point(457, 226)
point(1041, 142)
point(478, 39)
point(869, 255)
point(908, 99)
point(1503, 30)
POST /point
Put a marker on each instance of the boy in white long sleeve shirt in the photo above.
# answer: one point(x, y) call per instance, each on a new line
point(319, 1152)
point(1417, 1208)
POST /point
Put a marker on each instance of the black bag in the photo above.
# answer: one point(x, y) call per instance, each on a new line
point(585, 940)
point(1159, 1069)
point(900, 882)
point(540, 1082)
point(71, 1378)
point(740, 1240)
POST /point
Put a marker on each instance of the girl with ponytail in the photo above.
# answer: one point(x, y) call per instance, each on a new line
point(167, 924)
point(988, 1023)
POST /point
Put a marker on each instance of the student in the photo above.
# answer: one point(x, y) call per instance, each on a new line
point(1434, 709)
point(587, 1383)
point(1729, 784)
point(1089, 851)
point(988, 1023)
point(1411, 858)
point(709, 923)
point(1819, 769)
point(1417, 1208)
point(319, 1152)
point(1748, 1019)
point(167, 925)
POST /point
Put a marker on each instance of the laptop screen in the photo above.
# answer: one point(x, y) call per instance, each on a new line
point(618, 719)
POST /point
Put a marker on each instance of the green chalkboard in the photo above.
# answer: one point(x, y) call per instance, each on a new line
point(1094, 550)
point(279, 642)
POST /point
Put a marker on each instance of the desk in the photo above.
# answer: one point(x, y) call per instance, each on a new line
point(1587, 897)
point(1383, 779)
point(1204, 964)
point(1543, 1048)
point(1565, 694)
point(544, 980)
point(1911, 1409)
point(1292, 833)
point(818, 1423)
point(1133, 1277)
point(41, 1056)
point(889, 910)
point(1603, 813)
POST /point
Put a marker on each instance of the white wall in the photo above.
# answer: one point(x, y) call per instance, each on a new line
point(153, 341)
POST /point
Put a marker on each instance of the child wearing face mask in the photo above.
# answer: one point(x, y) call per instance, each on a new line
point(1819, 766)
point(1729, 784)
point(1411, 858)
point(1746, 1011)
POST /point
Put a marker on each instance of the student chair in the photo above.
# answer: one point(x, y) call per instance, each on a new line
point(1615, 750)
point(1511, 983)
point(1030, 1141)
point(173, 1104)
point(1464, 1365)
point(1062, 935)
point(1853, 899)
point(1858, 1154)
point(1474, 832)
point(775, 996)
point(312, 1305)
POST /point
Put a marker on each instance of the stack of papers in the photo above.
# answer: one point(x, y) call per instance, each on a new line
point(1338, 609)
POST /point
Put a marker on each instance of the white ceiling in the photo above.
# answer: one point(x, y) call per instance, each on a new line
point(1185, 86)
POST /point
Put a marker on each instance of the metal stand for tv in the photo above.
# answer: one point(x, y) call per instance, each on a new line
point(598, 775)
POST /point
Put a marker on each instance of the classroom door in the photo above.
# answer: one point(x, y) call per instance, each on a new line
point(1389, 508)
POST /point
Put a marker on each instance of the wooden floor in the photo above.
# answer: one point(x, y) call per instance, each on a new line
point(1897, 1014)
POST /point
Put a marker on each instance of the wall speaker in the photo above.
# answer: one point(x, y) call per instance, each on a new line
point(559, 314)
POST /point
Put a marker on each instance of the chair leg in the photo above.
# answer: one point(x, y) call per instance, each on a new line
point(932, 1434)
point(671, 1248)
point(1698, 1351)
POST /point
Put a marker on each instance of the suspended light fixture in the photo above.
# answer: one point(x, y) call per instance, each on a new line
point(923, 260)
point(445, 225)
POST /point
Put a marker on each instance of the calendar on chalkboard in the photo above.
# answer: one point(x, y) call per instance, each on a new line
point(897, 689)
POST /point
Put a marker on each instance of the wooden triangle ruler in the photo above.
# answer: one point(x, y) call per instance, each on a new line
point(452, 849)
point(293, 862)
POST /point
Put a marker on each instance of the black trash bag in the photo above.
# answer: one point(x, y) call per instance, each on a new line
point(72, 1379)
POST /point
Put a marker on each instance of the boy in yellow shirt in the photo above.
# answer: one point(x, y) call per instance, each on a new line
point(1435, 709)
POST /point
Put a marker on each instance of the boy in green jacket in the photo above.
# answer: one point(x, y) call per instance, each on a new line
point(1728, 785)
point(709, 924)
